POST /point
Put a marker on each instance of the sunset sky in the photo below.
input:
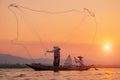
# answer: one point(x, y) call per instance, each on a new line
point(72, 31)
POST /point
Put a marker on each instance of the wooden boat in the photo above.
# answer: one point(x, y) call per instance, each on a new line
point(41, 67)
point(66, 67)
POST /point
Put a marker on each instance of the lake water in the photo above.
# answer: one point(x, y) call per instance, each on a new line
point(29, 74)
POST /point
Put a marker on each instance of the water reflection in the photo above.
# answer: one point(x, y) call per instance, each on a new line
point(29, 74)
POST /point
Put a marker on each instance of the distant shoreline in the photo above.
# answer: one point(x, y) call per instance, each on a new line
point(13, 66)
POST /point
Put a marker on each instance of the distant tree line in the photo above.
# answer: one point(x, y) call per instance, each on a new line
point(17, 65)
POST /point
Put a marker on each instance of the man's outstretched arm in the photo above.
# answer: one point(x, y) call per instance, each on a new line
point(50, 51)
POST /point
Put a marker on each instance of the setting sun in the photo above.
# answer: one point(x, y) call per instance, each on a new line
point(107, 47)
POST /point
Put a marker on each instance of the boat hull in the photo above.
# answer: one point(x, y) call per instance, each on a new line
point(40, 67)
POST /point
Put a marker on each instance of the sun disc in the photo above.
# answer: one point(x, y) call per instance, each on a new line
point(107, 47)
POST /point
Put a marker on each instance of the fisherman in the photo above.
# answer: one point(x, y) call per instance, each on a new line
point(82, 65)
point(56, 61)
point(80, 61)
point(68, 62)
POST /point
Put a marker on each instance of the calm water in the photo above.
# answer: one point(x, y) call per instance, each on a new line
point(29, 74)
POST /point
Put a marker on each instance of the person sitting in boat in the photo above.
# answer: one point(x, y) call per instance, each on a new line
point(80, 61)
point(56, 51)
point(81, 64)
point(68, 62)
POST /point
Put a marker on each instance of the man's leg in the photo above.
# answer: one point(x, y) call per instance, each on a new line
point(56, 63)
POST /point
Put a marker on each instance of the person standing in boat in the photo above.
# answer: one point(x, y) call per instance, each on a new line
point(56, 62)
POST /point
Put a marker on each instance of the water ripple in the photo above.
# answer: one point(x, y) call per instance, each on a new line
point(20, 75)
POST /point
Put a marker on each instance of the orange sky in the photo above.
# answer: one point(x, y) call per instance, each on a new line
point(39, 31)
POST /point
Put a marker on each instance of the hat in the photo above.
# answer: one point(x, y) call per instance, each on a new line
point(55, 47)
point(80, 57)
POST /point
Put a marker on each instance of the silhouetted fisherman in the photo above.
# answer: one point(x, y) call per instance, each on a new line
point(56, 61)
point(80, 61)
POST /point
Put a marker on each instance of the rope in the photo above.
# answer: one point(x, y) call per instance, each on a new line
point(46, 11)
point(17, 37)
point(95, 34)
point(34, 31)
point(17, 25)
point(60, 12)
